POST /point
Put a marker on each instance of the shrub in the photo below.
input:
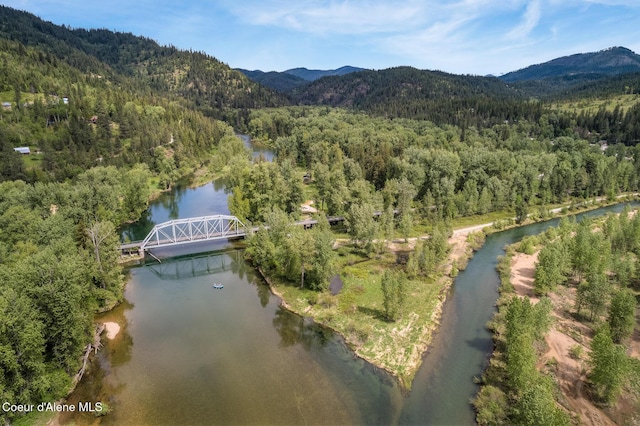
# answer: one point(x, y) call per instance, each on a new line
point(576, 352)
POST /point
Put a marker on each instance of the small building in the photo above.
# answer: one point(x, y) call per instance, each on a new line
point(65, 100)
point(23, 150)
point(6, 105)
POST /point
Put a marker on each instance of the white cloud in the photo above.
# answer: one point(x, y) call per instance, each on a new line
point(530, 20)
point(628, 3)
point(331, 16)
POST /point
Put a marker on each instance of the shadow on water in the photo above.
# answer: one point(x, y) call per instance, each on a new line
point(96, 385)
point(296, 330)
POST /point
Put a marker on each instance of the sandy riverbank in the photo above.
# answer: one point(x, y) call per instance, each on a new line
point(566, 333)
point(112, 329)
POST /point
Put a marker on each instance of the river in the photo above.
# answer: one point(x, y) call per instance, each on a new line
point(191, 354)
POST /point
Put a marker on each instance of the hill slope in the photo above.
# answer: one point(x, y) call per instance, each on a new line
point(203, 80)
point(289, 80)
point(95, 97)
point(612, 61)
point(279, 81)
point(313, 75)
point(411, 93)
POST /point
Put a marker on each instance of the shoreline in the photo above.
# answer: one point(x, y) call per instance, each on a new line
point(566, 344)
point(404, 388)
point(461, 251)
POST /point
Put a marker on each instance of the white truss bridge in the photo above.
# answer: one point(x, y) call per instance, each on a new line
point(198, 229)
point(185, 231)
point(193, 229)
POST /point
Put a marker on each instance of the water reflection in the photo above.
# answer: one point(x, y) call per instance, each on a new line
point(263, 293)
point(295, 330)
point(97, 385)
point(197, 266)
point(204, 356)
point(172, 204)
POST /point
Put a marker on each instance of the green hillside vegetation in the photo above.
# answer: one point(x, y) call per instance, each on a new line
point(278, 81)
point(147, 67)
point(79, 121)
point(426, 95)
point(580, 66)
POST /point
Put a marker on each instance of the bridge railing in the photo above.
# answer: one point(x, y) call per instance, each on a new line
point(205, 228)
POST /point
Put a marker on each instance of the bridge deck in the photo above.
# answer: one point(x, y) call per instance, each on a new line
point(148, 243)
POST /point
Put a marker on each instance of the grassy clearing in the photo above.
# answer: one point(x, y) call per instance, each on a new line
point(465, 221)
point(357, 312)
point(593, 105)
point(33, 161)
point(25, 97)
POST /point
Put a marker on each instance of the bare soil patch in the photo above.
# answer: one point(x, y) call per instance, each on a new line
point(565, 334)
point(112, 329)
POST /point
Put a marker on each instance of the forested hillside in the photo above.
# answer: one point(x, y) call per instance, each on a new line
point(426, 95)
point(78, 120)
point(289, 80)
point(612, 61)
point(279, 81)
point(204, 81)
point(610, 71)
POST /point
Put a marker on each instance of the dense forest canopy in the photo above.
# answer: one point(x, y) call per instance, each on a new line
point(458, 171)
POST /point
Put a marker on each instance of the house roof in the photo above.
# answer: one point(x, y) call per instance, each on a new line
point(23, 150)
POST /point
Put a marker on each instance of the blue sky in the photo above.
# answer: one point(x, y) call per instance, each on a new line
point(461, 36)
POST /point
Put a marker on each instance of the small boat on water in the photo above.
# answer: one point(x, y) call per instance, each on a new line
point(218, 285)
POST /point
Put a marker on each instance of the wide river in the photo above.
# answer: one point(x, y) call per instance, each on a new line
point(191, 354)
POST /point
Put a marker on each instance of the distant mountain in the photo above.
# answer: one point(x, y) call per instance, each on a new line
point(585, 66)
point(399, 84)
point(279, 81)
point(291, 79)
point(411, 93)
point(313, 75)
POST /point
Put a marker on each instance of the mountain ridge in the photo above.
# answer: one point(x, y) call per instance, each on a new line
point(611, 61)
point(293, 78)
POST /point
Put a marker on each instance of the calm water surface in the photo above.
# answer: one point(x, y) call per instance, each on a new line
point(191, 354)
